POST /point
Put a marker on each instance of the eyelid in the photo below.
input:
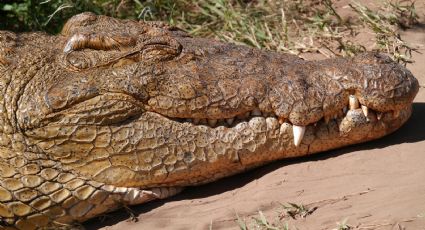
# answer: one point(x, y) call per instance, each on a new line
point(116, 50)
point(98, 41)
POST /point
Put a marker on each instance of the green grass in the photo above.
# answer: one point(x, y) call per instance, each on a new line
point(293, 26)
point(343, 225)
point(296, 210)
point(260, 222)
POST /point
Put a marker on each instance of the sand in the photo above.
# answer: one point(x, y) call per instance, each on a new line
point(376, 185)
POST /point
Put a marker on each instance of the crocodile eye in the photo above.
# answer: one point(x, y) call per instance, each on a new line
point(99, 49)
point(99, 41)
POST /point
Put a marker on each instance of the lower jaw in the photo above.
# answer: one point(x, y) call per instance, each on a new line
point(203, 154)
point(353, 128)
point(319, 137)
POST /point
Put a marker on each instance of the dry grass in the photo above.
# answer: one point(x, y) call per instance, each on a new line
point(293, 26)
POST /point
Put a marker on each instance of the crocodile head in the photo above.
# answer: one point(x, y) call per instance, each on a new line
point(138, 104)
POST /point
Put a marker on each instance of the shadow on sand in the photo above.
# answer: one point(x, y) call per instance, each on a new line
point(413, 131)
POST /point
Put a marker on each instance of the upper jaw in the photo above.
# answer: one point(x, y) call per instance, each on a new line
point(353, 92)
point(302, 93)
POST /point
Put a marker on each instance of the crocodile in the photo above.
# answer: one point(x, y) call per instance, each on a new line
point(111, 113)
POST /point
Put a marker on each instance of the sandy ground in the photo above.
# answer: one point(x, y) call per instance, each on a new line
point(376, 185)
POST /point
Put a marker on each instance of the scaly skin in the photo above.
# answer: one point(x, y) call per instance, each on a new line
point(114, 112)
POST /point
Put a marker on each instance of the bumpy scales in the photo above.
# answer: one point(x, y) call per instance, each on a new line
point(117, 112)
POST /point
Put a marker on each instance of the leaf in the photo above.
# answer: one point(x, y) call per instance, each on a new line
point(7, 7)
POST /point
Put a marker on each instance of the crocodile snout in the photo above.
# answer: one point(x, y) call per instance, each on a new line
point(387, 85)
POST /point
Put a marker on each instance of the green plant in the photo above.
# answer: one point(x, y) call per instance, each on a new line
point(293, 26)
point(263, 222)
point(403, 13)
point(387, 37)
point(295, 210)
point(241, 222)
point(343, 225)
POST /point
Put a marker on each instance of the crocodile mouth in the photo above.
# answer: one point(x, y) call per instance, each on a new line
point(352, 114)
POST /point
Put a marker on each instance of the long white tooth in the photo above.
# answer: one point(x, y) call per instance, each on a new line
point(229, 121)
point(212, 122)
point(298, 132)
point(365, 110)
point(256, 112)
point(354, 102)
point(379, 116)
point(396, 113)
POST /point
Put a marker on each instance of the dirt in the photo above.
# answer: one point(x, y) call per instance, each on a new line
point(375, 185)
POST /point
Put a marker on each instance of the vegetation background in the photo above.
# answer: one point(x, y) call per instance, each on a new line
point(294, 26)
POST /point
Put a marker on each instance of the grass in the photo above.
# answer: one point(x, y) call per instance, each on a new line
point(343, 225)
point(293, 26)
point(260, 222)
point(383, 25)
point(296, 210)
point(290, 210)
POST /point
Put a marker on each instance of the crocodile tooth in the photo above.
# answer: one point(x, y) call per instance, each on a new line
point(212, 122)
point(365, 110)
point(229, 121)
point(196, 121)
point(354, 102)
point(379, 115)
point(256, 112)
point(396, 113)
point(298, 134)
